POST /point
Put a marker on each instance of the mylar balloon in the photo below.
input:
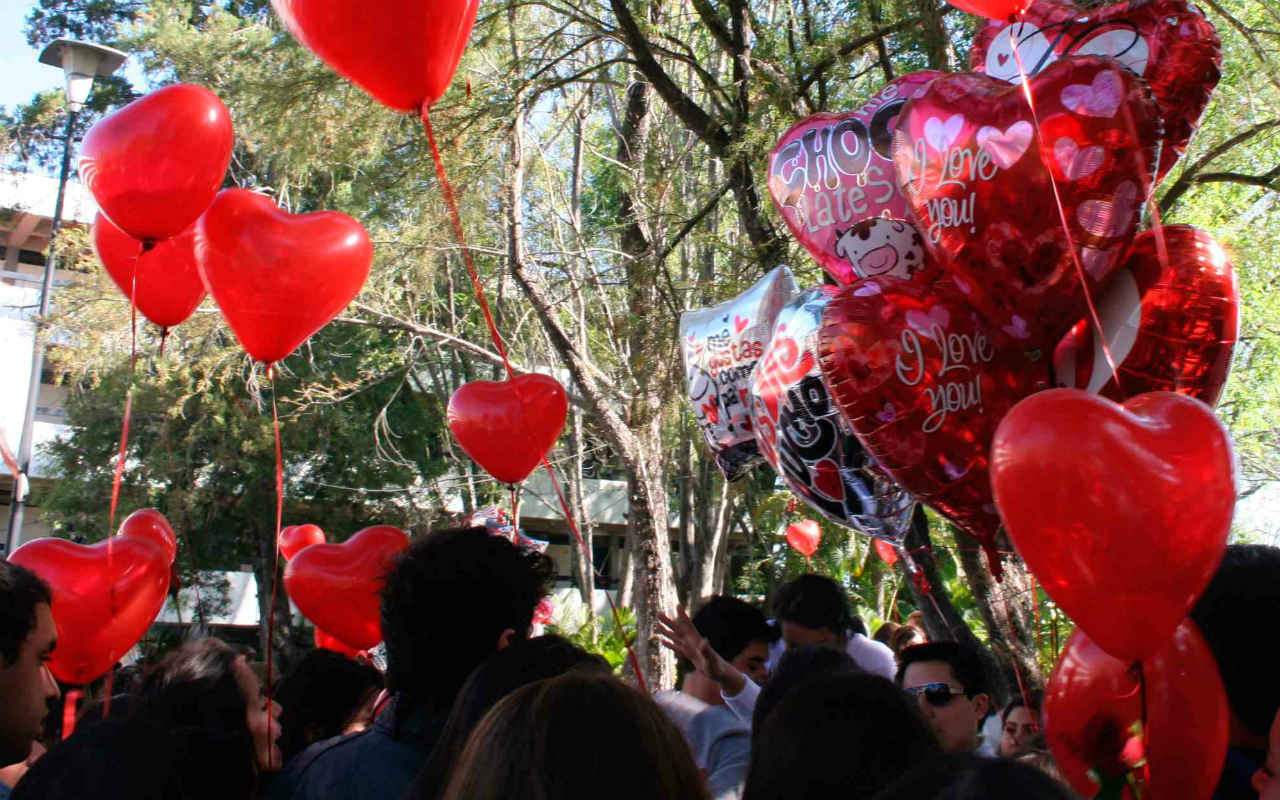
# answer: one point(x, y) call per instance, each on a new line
point(798, 430)
point(923, 380)
point(278, 277)
point(105, 595)
point(165, 276)
point(1170, 318)
point(1168, 42)
point(1117, 507)
point(980, 179)
point(336, 586)
point(831, 177)
point(155, 165)
point(403, 52)
point(1094, 706)
point(507, 427)
point(804, 537)
point(721, 346)
point(295, 537)
point(325, 641)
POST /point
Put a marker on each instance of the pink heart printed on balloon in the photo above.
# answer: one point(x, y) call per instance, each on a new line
point(987, 206)
point(1167, 42)
point(831, 178)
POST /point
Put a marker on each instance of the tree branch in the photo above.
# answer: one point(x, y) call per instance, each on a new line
point(693, 221)
point(715, 25)
point(854, 44)
point(1189, 175)
point(1248, 36)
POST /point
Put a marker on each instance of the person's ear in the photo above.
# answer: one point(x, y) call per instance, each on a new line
point(506, 638)
point(982, 704)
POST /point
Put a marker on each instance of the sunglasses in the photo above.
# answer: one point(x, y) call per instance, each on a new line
point(937, 695)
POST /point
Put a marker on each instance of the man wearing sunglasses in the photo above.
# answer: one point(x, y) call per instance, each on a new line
point(949, 682)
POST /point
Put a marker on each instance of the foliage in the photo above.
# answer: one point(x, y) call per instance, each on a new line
point(599, 634)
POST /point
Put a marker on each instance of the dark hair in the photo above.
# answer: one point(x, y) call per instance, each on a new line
point(565, 738)
point(730, 625)
point(1019, 702)
point(816, 601)
point(129, 759)
point(796, 666)
point(965, 664)
point(903, 638)
point(838, 736)
point(518, 665)
point(21, 590)
point(1245, 589)
point(968, 777)
point(319, 697)
point(446, 601)
point(884, 634)
point(195, 687)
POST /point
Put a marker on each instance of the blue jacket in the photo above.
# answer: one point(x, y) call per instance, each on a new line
point(378, 763)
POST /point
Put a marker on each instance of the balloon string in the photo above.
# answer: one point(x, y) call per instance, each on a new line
point(515, 512)
point(7, 456)
point(275, 569)
point(1013, 655)
point(1100, 332)
point(164, 336)
point(456, 219)
point(133, 316)
point(120, 454)
point(69, 704)
point(582, 545)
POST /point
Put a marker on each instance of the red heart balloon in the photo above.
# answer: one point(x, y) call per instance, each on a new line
point(992, 9)
point(150, 524)
point(278, 277)
point(295, 537)
point(168, 283)
point(804, 536)
point(404, 53)
point(325, 641)
point(336, 586)
point(886, 552)
point(923, 381)
point(508, 426)
point(1170, 315)
point(1117, 507)
point(1093, 712)
point(831, 178)
point(155, 165)
point(980, 179)
point(1168, 42)
point(105, 595)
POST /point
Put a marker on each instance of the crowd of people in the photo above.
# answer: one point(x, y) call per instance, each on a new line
point(801, 705)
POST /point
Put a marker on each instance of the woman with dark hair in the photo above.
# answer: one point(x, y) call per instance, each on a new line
point(325, 695)
point(576, 737)
point(1020, 727)
point(518, 665)
point(797, 666)
point(841, 736)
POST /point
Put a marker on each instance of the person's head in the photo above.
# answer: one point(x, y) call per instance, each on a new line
point(739, 633)
point(969, 777)
point(916, 620)
point(206, 684)
point(884, 634)
point(452, 599)
point(1020, 726)
point(522, 663)
point(949, 681)
point(325, 695)
point(27, 639)
point(903, 638)
point(813, 609)
point(572, 737)
point(797, 666)
point(1245, 588)
point(838, 736)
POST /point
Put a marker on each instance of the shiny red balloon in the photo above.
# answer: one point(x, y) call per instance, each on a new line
point(155, 165)
point(508, 426)
point(1168, 42)
point(979, 179)
point(992, 9)
point(168, 284)
point(325, 641)
point(923, 381)
point(403, 52)
point(831, 178)
point(278, 277)
point(295, 537)
point(336, 586)
point(804, 537)
point(105, 595)
point(1171, 315)
point(886, 552)
point(1121, 511)
point(1093, 714)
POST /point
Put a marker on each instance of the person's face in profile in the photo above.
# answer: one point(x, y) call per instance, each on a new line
point(953, 716)
point(262, 716)
point(753, 662)
point(26, 689)
point(1020, 729)
point(1266, 781)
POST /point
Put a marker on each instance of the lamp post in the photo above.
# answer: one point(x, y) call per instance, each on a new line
point(80, 62)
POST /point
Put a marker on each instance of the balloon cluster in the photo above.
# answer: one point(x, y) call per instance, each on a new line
point(985, 232)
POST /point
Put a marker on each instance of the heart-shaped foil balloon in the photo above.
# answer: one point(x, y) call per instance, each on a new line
point(984, 185)
point(1167, 42)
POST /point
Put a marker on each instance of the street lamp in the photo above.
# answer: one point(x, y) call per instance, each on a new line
point(80, 62)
